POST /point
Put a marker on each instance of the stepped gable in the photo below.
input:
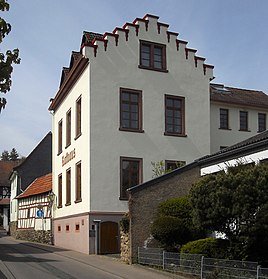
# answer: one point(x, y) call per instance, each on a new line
point(147, 24)
point(237, 96)
point(40, 185)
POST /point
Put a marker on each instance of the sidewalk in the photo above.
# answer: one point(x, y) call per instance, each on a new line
point(109, 264)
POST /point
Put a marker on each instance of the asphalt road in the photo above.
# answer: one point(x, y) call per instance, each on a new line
point(27, 260)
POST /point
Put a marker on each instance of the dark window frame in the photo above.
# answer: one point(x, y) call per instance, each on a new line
point(243, 120)
point(123, 193)
point(130, 104)
point(78, 122)
point(68, 127)
point(261, 122)
point(151, 58)
point(78, 182)
point(174, 164)
point(182, 116)
point(224, 119)
point(68, 186)
point(59, 190)
point(60, 126)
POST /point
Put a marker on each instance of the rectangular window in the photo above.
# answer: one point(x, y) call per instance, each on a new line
point(78, 196)
point(60, 190)
point(224, 119)
point(68, 128)
point(67, 228)
point(131, 174)
point(153, 56)
point(172, 165)
point(68, 187)
point(60, 137)
point(59, 228)
point(174, 115)
point(261, 122)
point(78, 118)
point(243, 121)
point(130, 110)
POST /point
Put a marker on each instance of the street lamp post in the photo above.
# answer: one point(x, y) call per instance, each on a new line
point(50, 199)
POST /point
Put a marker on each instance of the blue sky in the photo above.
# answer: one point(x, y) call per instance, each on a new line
point(231, 34)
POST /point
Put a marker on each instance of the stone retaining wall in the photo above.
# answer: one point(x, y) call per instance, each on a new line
point(13, 228)
point(34, 236)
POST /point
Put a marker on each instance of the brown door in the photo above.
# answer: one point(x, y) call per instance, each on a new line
point(109, 238)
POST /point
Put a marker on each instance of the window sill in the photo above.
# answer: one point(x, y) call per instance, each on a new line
point(153, 69)
point(240, 130)
point(77, 201)
point(261, 131)
point(59, 153)
point(67, 204)
point(226, 129)
point(131, 130)
point(123, 199)
point(59, 206)
point(78, 136)
point(175, 135)
point(67, 145)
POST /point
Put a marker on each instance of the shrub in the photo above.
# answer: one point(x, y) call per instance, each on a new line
point(170, 232)
point(208, 247)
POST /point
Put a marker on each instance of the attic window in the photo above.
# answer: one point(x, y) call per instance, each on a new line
point(153, 56)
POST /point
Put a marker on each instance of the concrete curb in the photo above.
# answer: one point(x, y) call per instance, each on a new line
point(4, 270)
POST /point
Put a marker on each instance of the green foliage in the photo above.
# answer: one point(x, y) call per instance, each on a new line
point(235, 203)
point(159, 168)
point(10, 156)
point(208, 247)
point(7, 59)
point(174, 226)
point(124, 223)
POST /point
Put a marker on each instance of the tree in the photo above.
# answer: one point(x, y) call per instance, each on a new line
point(13, 156)
point(10, 156)
point(235, 203)
point(174, 226)
point(159, 168)
point(5, 155)
point(7, 59)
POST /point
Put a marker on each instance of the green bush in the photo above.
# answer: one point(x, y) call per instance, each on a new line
point(170, 231)
point(208, 247)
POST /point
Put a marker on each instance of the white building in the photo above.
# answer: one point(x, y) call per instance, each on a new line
point(129, 98)
point(236, 114)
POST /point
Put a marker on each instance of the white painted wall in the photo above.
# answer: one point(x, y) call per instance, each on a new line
point(80, 145)
point(101, 144)
point(13, 201)
point(255, 157)
point(220, 137)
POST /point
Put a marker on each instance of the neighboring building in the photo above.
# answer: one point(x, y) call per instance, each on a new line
point(38, 163)
point(145, 198)
point(35, 211)
point(6, 168)
point(128, 98)
point(236, 114)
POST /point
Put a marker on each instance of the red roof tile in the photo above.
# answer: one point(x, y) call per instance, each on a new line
point(6, 168)
point(40, 185)
point(5, 201)
point(237, 96)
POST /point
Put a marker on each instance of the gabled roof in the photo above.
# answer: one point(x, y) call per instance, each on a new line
point(6, 168)
point(238, 96)
point(39, 186)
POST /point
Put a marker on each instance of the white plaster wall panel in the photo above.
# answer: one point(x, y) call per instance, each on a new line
point(255, 157)
point(13, 201)
point(221, 137)
point(80, 145)
point(118, 67)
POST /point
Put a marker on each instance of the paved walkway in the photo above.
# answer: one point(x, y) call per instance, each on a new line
point(110, 264)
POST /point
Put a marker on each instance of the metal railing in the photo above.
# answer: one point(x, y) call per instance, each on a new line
point(206, 268)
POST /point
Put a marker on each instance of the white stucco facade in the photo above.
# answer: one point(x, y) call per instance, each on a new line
point(13, 200)
point(114, 64)
point(227, 137)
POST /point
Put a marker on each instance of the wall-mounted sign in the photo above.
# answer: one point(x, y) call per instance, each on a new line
point(40, 213)
point(68, 157)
